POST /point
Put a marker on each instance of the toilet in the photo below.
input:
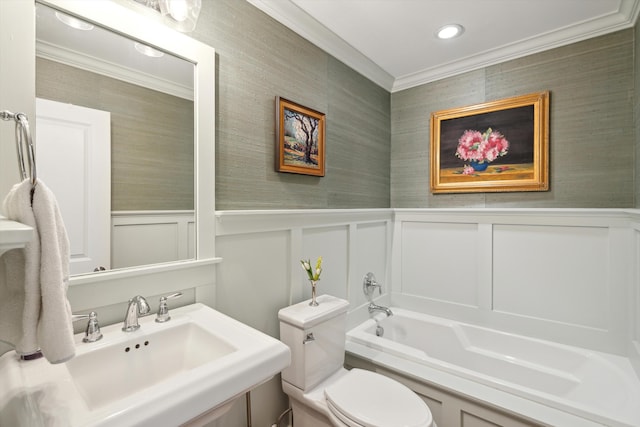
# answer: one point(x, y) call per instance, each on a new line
point(322, 392)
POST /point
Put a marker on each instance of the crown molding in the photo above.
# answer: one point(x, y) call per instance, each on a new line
point(624, 18)
point(294, 18)
point(117, 71)
point(291, 16)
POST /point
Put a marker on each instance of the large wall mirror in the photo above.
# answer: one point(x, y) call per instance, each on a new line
point(118, 115)
point(155, 89)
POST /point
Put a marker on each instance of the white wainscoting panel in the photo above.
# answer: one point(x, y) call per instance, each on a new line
point(555, 273)
point(151, 237)
point(371, 253)
point(332, 244)
point(634, 302)
point(255, 277)
point(565, 275)
point(439, 261)
point(351, 243)
point(191, 239)
point(635, 294)
point(145, 244)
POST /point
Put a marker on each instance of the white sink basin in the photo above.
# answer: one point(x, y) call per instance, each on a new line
point(162, 374)
point(144, 360)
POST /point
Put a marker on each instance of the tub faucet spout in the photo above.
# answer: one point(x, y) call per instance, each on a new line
point(375, 307)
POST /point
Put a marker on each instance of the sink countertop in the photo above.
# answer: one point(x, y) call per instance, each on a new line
point(39, 393)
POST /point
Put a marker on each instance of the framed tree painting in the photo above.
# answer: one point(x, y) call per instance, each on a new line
point(300, 145)
point(491, 147)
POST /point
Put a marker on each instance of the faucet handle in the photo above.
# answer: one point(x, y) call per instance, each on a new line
point(369, 285)
point(163, 309)
point(92, 333)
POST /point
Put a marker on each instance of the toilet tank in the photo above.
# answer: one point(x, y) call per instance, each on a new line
point(316, 337)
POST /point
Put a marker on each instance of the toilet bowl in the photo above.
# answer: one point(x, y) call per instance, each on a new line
point(322, 392)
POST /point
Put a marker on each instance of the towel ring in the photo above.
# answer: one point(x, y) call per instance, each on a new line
point(23, 143)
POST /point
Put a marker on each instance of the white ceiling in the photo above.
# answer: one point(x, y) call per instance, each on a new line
point(392, 42)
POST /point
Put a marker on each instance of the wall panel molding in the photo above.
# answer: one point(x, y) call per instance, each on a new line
point(564, 275)
point(462, 264)
point(150, 237)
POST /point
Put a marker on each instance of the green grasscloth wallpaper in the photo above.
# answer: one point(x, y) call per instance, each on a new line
point(378, 142)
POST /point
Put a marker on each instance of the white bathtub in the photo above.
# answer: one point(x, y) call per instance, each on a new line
point(594, 386)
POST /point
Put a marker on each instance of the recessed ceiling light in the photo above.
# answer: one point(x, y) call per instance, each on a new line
point(148, 50)
point(450, 31)
point(73, 22)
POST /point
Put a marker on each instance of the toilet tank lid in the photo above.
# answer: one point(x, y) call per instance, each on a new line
point(304, 316)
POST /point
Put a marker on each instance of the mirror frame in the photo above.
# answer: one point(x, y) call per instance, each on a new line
point(129, 19)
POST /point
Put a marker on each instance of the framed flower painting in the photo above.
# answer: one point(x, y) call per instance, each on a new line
point(491, 147)
point(299, 139)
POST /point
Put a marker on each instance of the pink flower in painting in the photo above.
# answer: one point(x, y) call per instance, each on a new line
point(482, 147)
point(468, 170)
point(469, 145)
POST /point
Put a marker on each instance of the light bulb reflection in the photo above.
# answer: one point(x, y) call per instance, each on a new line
point(148, 50)
point(73, 22)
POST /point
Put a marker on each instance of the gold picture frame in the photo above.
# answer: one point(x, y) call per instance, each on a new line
point(300, 144)
point(496, 146)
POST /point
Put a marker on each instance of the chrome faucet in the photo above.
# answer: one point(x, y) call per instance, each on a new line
point(375, 307)
point(163, 310)
point(92, 332)
point(138, 306)
point(369, 285)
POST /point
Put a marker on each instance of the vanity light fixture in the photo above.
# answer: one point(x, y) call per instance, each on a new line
point(180, 14)
point(449, 31)
point(73, 22)
point(148, 50)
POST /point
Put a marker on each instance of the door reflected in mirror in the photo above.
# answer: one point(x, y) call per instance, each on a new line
point(127, 197)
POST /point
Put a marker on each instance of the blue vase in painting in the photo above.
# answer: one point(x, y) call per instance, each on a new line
point(479, 167)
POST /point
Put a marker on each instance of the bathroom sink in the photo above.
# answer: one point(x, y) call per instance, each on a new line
point(143, 360)
point(193, 366)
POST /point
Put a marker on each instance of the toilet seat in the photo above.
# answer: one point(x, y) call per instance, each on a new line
point(367, 399)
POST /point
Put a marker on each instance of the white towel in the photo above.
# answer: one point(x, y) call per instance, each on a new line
point(36, 282)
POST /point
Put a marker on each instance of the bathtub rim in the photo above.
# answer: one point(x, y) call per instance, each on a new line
point(473, 391)
point(452, 382)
